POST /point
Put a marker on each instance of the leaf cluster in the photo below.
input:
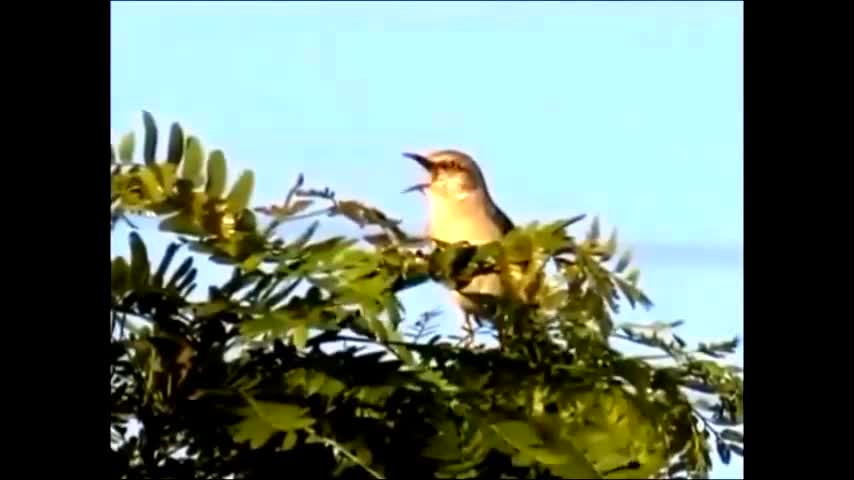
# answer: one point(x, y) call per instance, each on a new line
point(304, 358)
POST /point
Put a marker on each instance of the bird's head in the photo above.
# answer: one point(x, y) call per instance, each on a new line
point(451, 173)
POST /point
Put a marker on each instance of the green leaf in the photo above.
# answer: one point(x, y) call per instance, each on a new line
point(300, 335)
point(253, 429)
point(193, 162)
point(152, 188)
point(445, 446)
point(611, 247)
point(182, 223)
point(519, 434)
point(274, 322)
point(217, 174)
point(562, 458)
point(241, 192)
point(176, 144)
point(290, 441)
point(283, 416)
point(253, 262)
point(126, 147)
point(150, 146)
point(624, 261)
point(732, 435)
point(632, 276)
point(593, 234)
point(139, 266)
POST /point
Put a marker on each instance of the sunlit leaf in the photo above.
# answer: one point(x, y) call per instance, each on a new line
point(240, 194)
point(182, 223)
point(255, 430)
point(611, 247)
point(300, 335)
point(290, 440)
point(217, 174)
point(283, 416)
point(191, 169)
point(126, 147)
point(152, 187)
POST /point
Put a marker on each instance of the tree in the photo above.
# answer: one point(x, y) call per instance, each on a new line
point(243, 382)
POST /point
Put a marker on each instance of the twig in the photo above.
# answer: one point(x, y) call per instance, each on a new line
point(329, 442)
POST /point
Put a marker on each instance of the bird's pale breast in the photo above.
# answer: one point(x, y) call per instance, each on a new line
point(465, 219)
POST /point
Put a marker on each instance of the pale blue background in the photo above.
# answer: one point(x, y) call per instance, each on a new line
point(630, 111)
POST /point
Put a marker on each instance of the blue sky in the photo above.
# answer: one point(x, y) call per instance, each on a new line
point(629, 111)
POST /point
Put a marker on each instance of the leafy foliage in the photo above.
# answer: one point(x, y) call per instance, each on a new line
point(244, 382)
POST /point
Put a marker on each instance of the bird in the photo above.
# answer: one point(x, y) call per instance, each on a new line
point(461, 209)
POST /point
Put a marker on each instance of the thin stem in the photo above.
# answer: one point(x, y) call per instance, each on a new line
point(329, 442)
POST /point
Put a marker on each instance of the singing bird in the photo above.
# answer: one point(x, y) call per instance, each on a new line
point(460, 208)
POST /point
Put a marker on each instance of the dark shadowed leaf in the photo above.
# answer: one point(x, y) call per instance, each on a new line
point(737, 449)
point(306, 235)
point(623, 262)
point(723, 452)
point(150, 144)
point(180, 273)
point(193, 162)
point(176, 144)
point(126, 147)
point(217, 174)
point(112, 155)
point(593, 233)
point(157, 281)
point(700, 386)
point(241, 192)
point(139, 266)
point(565, 223)
point(120, 276)
point(732, 435)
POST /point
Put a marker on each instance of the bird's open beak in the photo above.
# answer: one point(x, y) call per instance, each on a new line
point(424, 162)
point(421, 159)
